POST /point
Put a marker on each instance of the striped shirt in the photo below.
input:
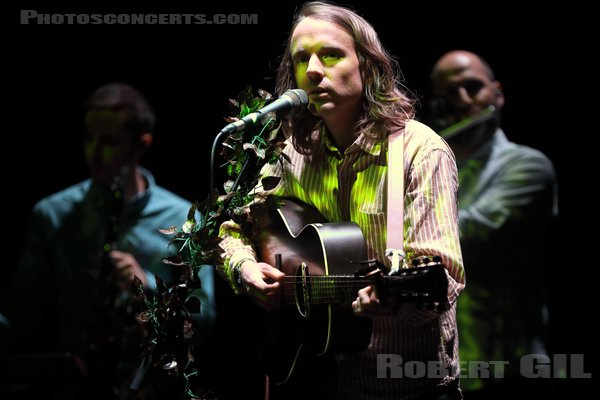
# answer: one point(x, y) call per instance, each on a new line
point(352, 187)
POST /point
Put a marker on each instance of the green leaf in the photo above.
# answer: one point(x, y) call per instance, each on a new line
point(174, 260)
point(192, 211)
point(169, 231)
point(264, 94)
point(138, 286)
point(260, 153)
point(160, 284)
point(270, 182)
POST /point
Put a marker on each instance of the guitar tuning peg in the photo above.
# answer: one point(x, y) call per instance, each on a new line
point(426, 261)
point(431, 306)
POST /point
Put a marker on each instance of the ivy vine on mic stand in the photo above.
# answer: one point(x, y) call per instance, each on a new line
point(167, 351)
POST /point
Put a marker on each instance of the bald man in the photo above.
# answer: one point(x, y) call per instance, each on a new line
point(507, 201)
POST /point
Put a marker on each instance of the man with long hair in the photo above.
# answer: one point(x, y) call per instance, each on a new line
point(337, 161)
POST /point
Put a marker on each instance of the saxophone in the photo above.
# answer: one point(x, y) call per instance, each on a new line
point(111, 313)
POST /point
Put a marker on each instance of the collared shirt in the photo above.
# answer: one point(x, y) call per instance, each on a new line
point(507, 200)
point(352, 186)
point(50, 292)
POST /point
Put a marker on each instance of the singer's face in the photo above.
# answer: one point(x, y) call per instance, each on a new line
point(327, 68)
point(108, 145)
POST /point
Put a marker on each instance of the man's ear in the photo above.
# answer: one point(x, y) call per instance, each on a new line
point(146, 140)
point(498, 94)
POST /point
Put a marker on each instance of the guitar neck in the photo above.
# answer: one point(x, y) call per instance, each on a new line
point(413, 285)
point(324, 289)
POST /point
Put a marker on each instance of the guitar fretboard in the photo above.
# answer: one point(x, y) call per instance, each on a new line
point(412, 285)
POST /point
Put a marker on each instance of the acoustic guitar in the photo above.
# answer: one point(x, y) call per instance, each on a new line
point(325, 264)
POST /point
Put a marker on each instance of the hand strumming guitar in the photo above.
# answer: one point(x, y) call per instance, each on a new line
point(262, 283)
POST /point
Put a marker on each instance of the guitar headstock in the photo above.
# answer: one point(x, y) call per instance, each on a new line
point(425, 282)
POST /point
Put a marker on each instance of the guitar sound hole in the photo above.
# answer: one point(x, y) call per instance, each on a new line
point(302, 290)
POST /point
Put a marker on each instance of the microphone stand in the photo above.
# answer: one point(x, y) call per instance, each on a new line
point(213, 151)
point(148, 359)
point(226, 130)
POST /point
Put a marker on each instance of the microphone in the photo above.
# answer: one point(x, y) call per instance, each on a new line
point(290, 99)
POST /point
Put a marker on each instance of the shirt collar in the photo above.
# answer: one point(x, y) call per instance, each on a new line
point(362, 142)
point(144, 195)
point(498, 139)
point(138, 201)
point(134, 204)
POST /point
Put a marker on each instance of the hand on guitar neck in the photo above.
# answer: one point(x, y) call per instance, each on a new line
point(367, 303)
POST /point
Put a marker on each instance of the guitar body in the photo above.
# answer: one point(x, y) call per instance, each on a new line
point(320, 261)
point(309, 247)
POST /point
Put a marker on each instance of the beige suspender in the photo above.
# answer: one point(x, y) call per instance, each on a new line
point(395, 200)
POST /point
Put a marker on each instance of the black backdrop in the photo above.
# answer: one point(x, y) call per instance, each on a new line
point(189, 71)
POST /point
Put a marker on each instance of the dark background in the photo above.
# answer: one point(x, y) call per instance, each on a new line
point(189, 71)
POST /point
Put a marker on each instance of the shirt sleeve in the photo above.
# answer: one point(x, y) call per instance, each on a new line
point(520, 181)
point(431, 223)
point(236, 245)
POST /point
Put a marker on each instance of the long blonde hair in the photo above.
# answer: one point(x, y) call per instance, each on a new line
point(386, 103)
